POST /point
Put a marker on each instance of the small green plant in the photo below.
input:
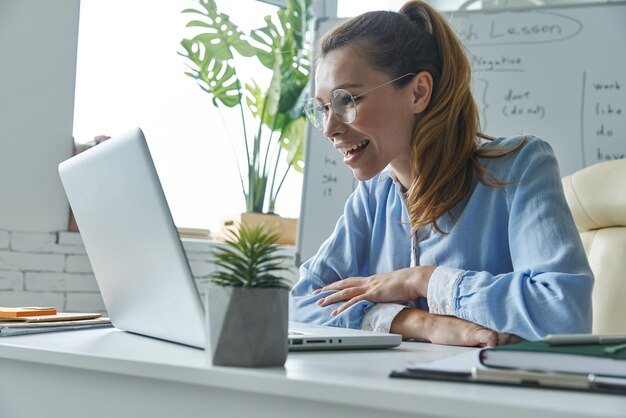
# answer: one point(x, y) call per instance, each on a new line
point(250, 259)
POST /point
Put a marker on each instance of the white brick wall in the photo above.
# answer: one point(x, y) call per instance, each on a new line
point(23, 298)
point(13, 260)
point(78, 264)
point(71, 239)
point(84, 302)
point(44, 243)
point(60, 282)
point(11, 280)
point(5, 238)
point(52, 269)
point(32, 241)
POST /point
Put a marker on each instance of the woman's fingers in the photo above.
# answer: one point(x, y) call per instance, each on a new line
point(484, 337)
point(340, 285)
point(450, 330)
point(491, 338)
point(345, 294)
point(347, 305)
point(397, 287)
point(504, 339)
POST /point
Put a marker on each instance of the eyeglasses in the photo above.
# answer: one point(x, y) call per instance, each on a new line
point(342, 102)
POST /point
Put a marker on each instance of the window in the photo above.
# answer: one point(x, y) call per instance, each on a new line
point(129, 74)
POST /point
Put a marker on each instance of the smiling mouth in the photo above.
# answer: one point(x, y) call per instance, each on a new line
point(347, 151)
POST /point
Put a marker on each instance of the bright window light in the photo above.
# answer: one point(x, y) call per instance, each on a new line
point(129, 74)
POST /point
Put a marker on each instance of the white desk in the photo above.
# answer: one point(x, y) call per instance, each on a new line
point(113, 374)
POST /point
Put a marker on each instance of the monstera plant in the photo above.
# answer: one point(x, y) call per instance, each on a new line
point(282, 46)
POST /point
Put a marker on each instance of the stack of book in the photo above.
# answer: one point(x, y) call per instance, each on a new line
point(30, 320)
point(584, 362)
point(602, 355)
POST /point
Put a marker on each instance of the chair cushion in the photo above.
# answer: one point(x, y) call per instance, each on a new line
point(596, 195)
point(606, 251)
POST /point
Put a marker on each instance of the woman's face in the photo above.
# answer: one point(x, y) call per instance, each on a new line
point(385, 118)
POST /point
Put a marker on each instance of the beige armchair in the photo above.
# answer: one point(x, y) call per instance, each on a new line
point(596, 196)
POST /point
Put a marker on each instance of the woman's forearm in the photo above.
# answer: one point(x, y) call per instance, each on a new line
point(443, 329)
point(412, 323)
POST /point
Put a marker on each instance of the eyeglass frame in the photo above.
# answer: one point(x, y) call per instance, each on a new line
point(311, 117)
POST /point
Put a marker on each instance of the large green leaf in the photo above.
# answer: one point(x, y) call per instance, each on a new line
point(294, 84)
point(299, 16)
point(215, 77)
point(255, 98)
point(292, 140)
point(274, 91)
point(257, 185)
point(282, 49)
point(212, 53)
point(268, 42)
point(221, 33)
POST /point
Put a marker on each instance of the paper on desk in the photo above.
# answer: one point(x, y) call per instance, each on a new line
point(53, 324)
point(459, 363)
point(61, 316)
point(21, 328)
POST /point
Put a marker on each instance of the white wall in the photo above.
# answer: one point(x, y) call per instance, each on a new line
point(52, 269)
point(38, 40)
point(40, 264)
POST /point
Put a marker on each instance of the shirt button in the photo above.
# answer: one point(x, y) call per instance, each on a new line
point(448, 309)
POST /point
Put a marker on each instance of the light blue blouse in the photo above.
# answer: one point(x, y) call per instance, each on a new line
point(513, 260)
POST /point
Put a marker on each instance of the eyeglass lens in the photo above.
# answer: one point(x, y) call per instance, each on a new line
point(343, 104)
point(341, 101)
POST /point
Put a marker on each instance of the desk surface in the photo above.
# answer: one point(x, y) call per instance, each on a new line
point(342, 379)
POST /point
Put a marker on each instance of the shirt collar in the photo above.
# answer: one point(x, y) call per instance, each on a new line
point(399, 185)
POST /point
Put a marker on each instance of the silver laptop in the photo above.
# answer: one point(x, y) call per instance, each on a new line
point(138, 258)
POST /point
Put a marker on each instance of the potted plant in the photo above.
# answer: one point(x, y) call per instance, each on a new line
point(247, 304)
point(283, 47)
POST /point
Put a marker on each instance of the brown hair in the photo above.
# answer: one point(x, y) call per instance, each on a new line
point(445, 141)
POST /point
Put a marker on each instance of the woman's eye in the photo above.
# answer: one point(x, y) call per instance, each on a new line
point(346, 100)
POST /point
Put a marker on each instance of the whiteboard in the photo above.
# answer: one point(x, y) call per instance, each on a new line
point(558, 73)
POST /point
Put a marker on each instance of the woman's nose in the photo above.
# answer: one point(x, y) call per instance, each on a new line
point(333, 125)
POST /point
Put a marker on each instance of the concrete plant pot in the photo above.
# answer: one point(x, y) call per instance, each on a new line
point(247, 327)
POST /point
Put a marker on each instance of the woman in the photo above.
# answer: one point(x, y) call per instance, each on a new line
point(451, 236)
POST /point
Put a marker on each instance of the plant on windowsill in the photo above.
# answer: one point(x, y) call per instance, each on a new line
point(283, 47)
point(247, 306)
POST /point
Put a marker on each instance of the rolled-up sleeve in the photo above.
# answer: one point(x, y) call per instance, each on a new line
point(380, 317)
point(441, 289)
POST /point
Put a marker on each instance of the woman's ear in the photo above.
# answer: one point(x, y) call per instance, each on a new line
point(422, 88)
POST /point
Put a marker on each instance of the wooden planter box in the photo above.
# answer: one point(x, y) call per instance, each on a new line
point(286, 227)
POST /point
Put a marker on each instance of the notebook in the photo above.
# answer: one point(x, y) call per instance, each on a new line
point(137, 256)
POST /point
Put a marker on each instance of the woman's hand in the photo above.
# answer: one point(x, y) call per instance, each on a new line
point(397, 286)
point(447, 330)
